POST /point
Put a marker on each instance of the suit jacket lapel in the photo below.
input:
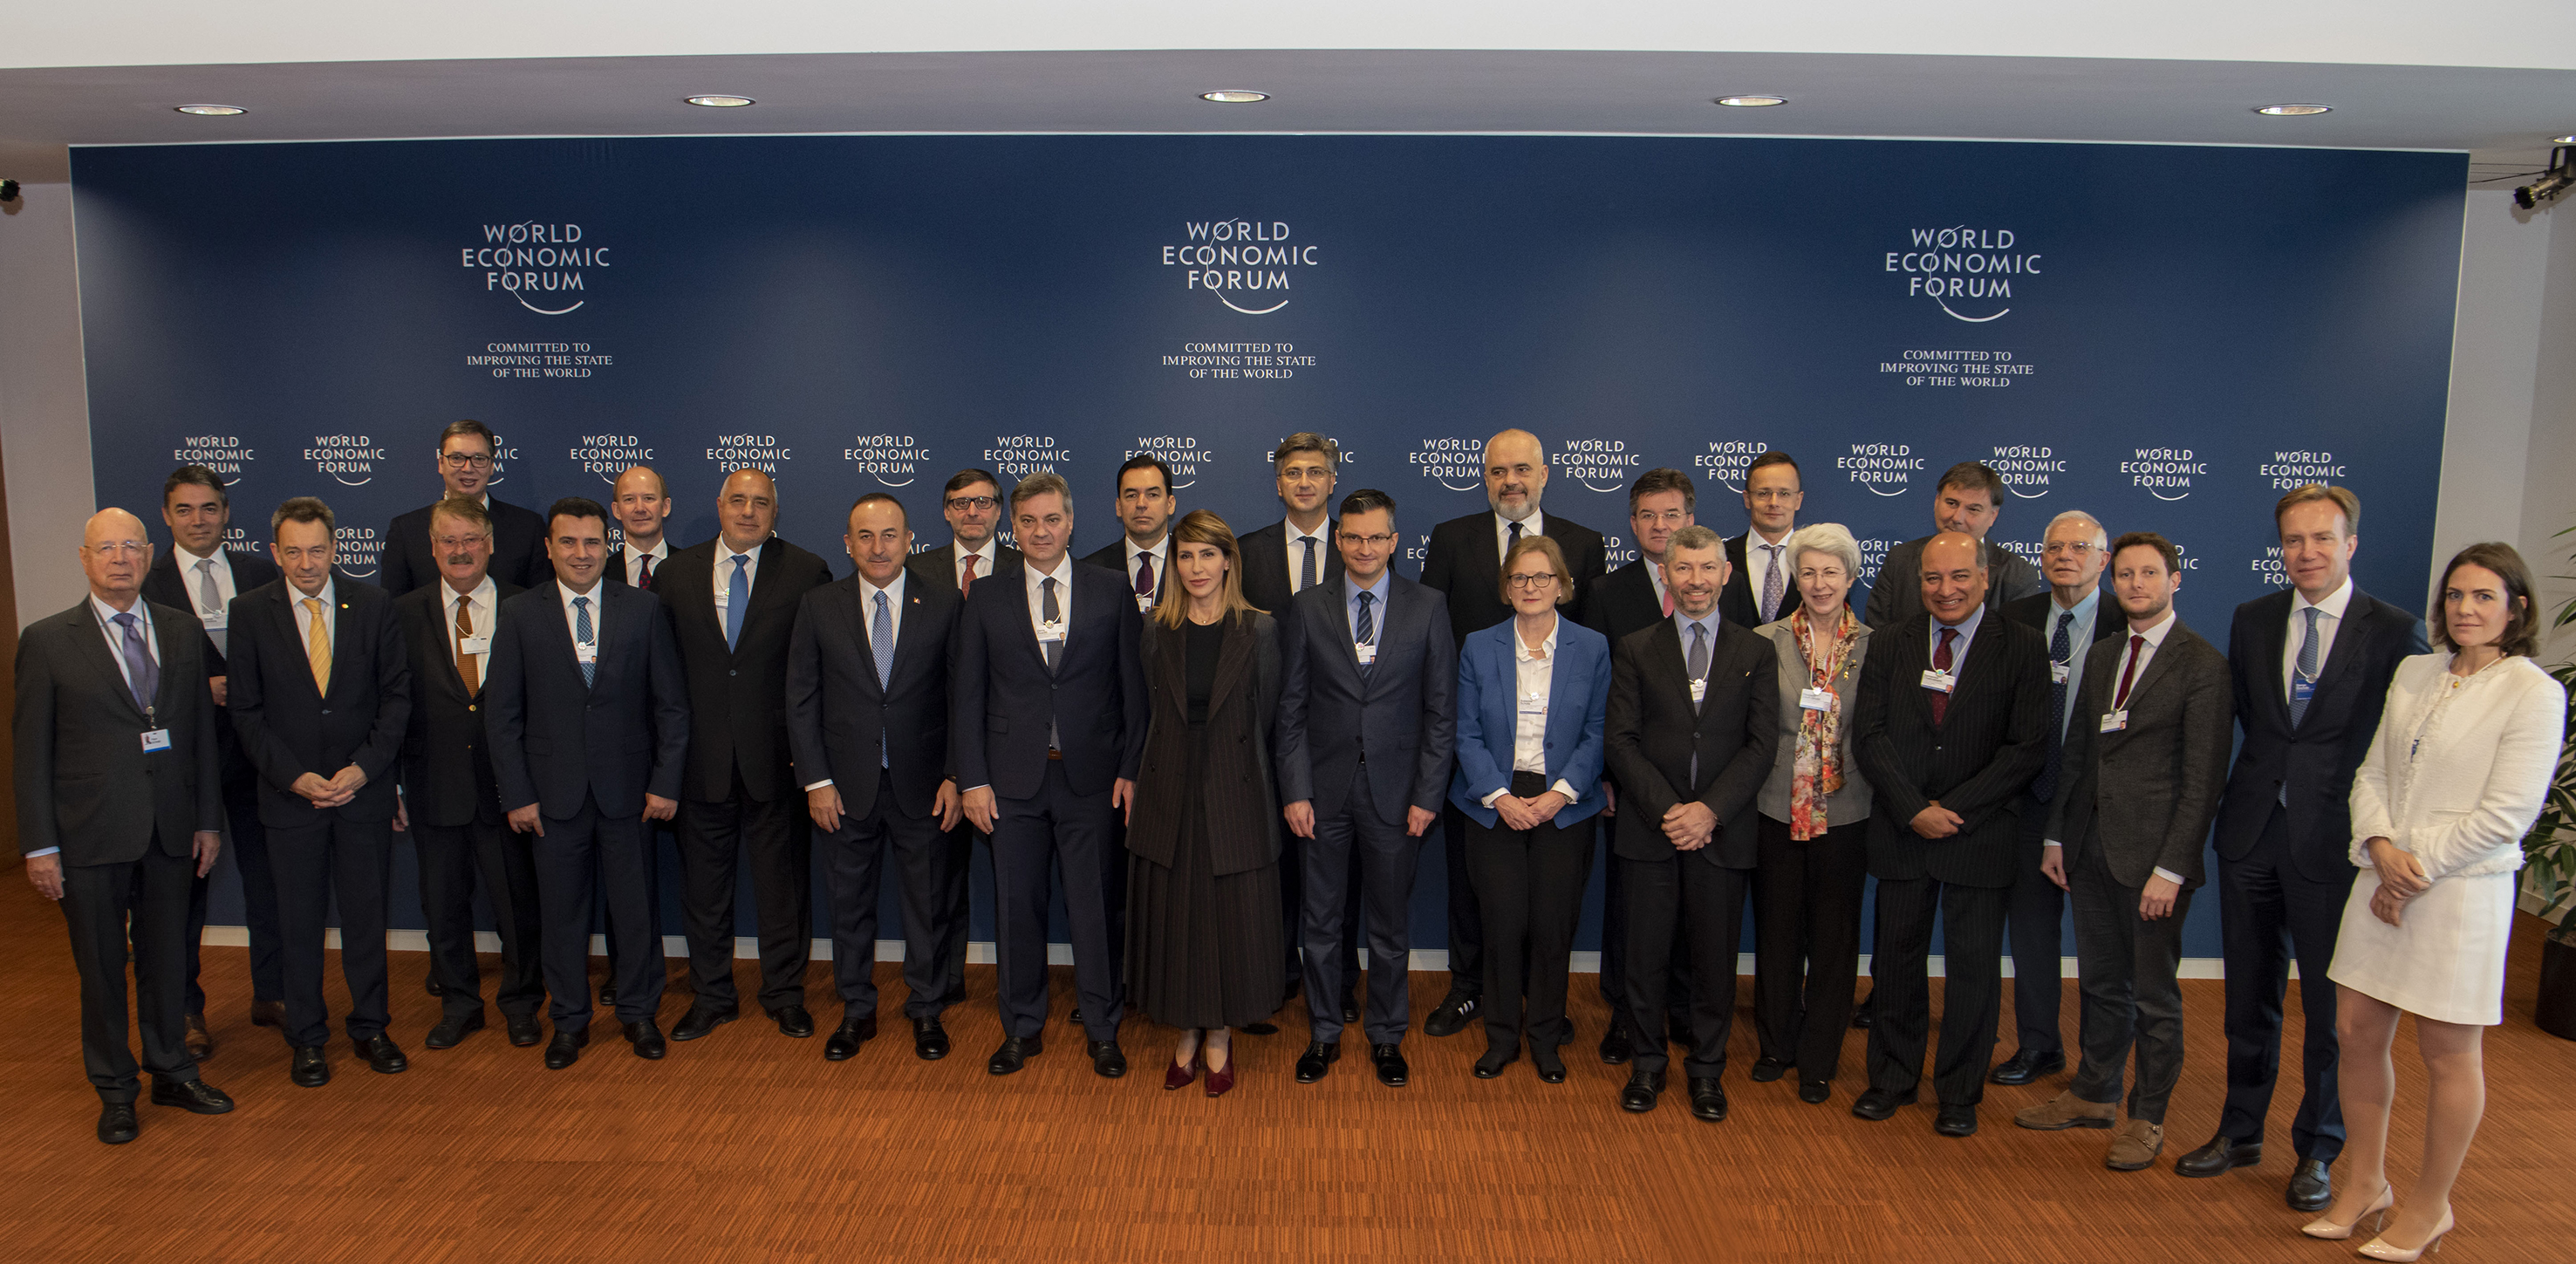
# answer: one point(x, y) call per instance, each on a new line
point(1232, 660)
point(2351, 640)
point(1672, 662)
point(94, 650)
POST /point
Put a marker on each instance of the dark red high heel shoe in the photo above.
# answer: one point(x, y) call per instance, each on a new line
point(1179, 1076)
point(1220, 1081)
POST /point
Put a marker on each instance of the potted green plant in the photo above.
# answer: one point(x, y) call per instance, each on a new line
point(2549, 866)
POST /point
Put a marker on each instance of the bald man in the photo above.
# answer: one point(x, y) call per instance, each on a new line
point(1465, 563)
point(733, 602)
point(642, 503)
point(120, 810)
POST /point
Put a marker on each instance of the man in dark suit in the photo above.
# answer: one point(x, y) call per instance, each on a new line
point(1464, 563)
point(118, 811)
point(1967, 501)
point(465, 452)
point(642, 503)
point(2071, 617)
point(589, 723)
point(1048, 720)
point(450, 802)
point(1143, 549)
point(1953, 716)
point(867, 719)
point(2311, 667)
point(733, 603)
point(2124, 839)
point(321, 696)
point(1367, 664)
point(1693, 729)
point(1764, 583)
point(200, 575)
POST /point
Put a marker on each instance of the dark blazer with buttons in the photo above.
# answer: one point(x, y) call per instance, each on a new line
point(1623, 602)
point(1404, 708)
point(556, 740)
point(938, 567)
point(288, 728)
point(518, 549)
point(872, 738)
point(1234, 793)
point(165, 584)
point(84, 782)
point(1003, 695)
point(1897, 594)
point(447, 754)
point(1978, 761)
point(1654, 729)
point(1739, 603)
point(2146, 795)
point(738, 695)
point(1267, 557)
point(1578, 701)
point(2038, 612)
point(2317, 759)
point(1465, 565)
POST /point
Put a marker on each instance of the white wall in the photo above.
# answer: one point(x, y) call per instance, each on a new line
point(44, 398)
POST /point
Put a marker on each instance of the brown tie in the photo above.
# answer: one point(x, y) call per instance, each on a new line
point(465, 668)
point(966, 585)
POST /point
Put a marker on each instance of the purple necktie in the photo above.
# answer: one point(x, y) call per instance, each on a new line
point(140, 671)
point(1144, 574)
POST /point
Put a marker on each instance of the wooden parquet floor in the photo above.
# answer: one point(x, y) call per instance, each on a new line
point(749, 1146)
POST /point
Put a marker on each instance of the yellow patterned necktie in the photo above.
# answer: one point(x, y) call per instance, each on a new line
point(317, 648)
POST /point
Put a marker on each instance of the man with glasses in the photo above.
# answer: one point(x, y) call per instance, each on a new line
point(972, 504)
point(465, 451)
point(1764, 587)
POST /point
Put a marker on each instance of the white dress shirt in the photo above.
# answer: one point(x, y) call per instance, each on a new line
point(1534, 672)
point(660, 553)
point(1063, 578)
point(1159, 553)
point(1760, 556)
point(191, 570)
point(484, 604)
point(2136, 671)
point(984, 559)
point(597, 626)
point(868, 621)
point(1297, 554)
point(2329, 618)
point(329, 597)
point(1535, 524)
point(724, 574)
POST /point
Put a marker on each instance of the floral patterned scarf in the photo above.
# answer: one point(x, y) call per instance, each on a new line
point(1818, 770)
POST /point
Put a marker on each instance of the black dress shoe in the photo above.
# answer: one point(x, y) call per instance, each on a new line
point(194, 1096)
point(647, 1039)
point(1108, 1061)
point(1550, 1064)
point(1955, 1120)
point(383, 1056)
point(929, 1039)
point(1014, 1054)
point(845, 1042)
point(308, 1068)
point(607, 993)
point(2218, 1157)
point(1644, 1089)
point(1318, 1060)
point(703, 1019)
point(1452, 1015)
point(1391, 1070)
point(432, 984)
point(1492, 1064)
point(2312, 1185)
point(793, 1021)
point(116, 1123)
point(1263, 1028)
point(1614, 1045)
point(1861, 1012)
point(1708, 1101)
point(1766, 1070)
point(2025, 1066)
point(1075, 1018)
point(523, 1029)
point(565, 1048)
point(453, 1029)
point(1350, 1009)
point(1878, 1104)
point(1814, 1092)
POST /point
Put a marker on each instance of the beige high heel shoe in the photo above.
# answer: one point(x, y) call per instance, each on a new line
point(2334, 1231)
point(2378, 1248)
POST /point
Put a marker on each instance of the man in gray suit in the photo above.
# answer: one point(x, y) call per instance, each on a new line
point(2145, 759)
point(120, 810)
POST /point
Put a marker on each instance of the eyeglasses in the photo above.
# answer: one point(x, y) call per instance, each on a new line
point(2072, 548)
point(979, 504)
point(467, 460)
point(1378, 541)
point(1534, 582)
point(453, 542)
point(1668, 518)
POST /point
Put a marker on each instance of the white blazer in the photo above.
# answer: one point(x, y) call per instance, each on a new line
point(2459, 768)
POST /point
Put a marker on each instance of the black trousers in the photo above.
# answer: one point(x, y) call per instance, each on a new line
point(615, 854)
point(1466, 924)
point(1684, 897)
point(1972, 933)
point(1529, 885)
point(100, 903)
point(1614, 947)
point(315, 864)
point(1295, 855)
point(2128, 968)
point(961, 919)
point(1806, 934)
point(1068, 832)
point(1358, 869)
point(453, 859)
point(246, 849)
point(776, 838)
point(2267, 912)
point(928, 876)
point(2039, 961)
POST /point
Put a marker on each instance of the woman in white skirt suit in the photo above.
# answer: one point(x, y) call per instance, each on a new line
point(2453, 781)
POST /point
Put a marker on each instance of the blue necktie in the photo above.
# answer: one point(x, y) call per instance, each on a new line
point(141, 674)
point(2307, 669)
point(2061, 651)
point(1365, 629)
point(881, 644)
point(737, 595)
point(584, 634)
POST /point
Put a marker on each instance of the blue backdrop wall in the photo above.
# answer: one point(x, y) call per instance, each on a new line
point(2166, 337)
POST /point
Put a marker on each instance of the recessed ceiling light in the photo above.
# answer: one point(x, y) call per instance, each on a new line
point(1754, 99)
point(2569, 139)
point(719, 100)
point(2294, 110)
point(211, 111)
point(1234, 96)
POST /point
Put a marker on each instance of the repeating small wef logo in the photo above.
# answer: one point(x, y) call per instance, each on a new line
point(540, 265)
point(226, 455)
point(2026, 470)
point(1015, 457)
point(1602, 465)
point(1885, 469)
point(750, 452)
point(1181, 453)
point(2164, 470)
point(1727, 460)
point(2268, 569)
point(1873, 554)
point(1453, 461)
point(357, 551)
point(350, 459)
point(609, 455)
point(1971, 267)
point(1247, 265)
point(884, 456)
point(2289, 470)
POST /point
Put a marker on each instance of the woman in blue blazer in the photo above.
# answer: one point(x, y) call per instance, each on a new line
point(1533, 691)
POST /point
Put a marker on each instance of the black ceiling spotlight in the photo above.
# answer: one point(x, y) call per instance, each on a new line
point(2551, 183)
point(8, 190)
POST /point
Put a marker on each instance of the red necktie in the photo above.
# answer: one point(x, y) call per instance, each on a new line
point(644, 573)
point(2128, 671)
point(966, 585)
point(1941, 661)
point(1144, 574)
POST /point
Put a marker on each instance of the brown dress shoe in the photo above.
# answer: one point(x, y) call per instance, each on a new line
point(268, 1013)
point(2134, 1144)
point(2066, 1110)
point(201, 1042)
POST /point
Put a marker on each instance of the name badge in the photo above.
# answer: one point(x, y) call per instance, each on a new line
point(2057, 672)
point(156, 739)
point(212, 621)
point(2302, 688)
point(1533, 704)
point(585, 652)
point(1366, 652)
point(1145, 602)
point(1699, 691)
point(2114, 721)
point(474, 645)
point(1817, 699)
point(1939, 681)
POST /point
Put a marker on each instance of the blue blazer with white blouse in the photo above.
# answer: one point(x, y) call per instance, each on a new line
point(1578, 703)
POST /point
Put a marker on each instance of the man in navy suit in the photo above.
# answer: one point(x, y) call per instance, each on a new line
point(1367, 666)
point(589, 721)
point(1048, 720)
point(466, 451)
point(867, 718)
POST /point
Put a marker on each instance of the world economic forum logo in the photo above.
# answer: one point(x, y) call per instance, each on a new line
point(884, 456)
point(1248, 266)
point(1967, 271)
point(542, 265)
point(1456, 462)
point(226, 455)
